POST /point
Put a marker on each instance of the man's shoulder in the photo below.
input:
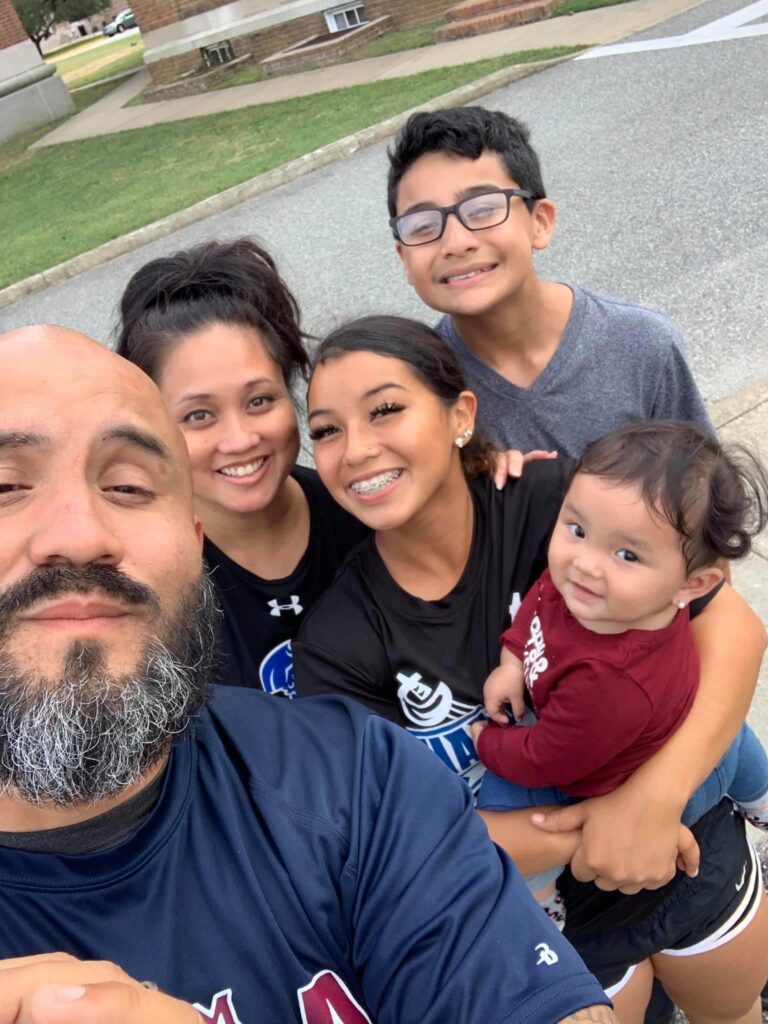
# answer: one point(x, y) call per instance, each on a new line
point(307, 756)
point(296, 755)
point(241, 713)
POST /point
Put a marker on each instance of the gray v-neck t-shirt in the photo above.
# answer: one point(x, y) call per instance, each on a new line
point(616, 362)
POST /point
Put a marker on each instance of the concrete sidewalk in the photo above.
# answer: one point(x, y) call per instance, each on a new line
point(592, 28)
point(743, 417)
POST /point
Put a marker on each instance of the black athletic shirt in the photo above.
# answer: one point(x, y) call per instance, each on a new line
point(261, 617)
point(422, 664)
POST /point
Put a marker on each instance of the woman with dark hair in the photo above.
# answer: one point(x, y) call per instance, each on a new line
point(410, 627)
point(218, 331)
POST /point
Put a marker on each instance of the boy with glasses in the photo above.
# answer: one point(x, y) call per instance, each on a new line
point(553, 366)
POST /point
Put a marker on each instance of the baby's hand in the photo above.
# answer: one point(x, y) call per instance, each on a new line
point(475, 729)
point(504, 688)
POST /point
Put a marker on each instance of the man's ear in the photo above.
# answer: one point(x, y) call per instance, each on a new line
point(544, 216)
point(698, 584)
point(199, 531)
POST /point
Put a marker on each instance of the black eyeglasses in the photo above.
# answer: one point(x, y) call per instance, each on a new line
point(486, 210)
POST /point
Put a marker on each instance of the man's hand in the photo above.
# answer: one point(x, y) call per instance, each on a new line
point(55, 988)
point(626, 844)
point(510, 464)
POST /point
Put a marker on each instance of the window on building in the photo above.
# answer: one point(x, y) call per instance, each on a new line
point(217, 54)
point(338, 19)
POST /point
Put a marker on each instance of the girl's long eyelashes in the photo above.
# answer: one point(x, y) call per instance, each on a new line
point(385, 408)
point(317, 433)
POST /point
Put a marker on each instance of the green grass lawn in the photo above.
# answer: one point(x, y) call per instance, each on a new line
point(401, 39)
point(85, 97)
point(68, 48)
point(90, 63)
point(575, 6)
point(66, 199)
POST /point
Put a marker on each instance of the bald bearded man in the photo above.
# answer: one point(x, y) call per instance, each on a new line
point(250, 858)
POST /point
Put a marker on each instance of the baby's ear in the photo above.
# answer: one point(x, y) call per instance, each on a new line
point(698, 584)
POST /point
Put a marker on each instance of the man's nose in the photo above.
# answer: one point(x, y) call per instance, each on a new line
point(74, 528)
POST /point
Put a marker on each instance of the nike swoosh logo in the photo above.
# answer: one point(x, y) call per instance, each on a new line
point(740, 883)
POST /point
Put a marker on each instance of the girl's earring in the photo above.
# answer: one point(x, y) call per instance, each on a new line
point(462, 439)
point(681, 605)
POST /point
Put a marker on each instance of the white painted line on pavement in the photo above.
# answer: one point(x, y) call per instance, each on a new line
point(732, 26)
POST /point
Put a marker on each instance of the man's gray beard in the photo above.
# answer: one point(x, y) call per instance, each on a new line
point(90, 734)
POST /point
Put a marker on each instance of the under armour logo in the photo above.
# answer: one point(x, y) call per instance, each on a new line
point(546, 955)
point(278, 609)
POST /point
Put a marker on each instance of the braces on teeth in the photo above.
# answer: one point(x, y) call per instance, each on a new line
point(376, 483)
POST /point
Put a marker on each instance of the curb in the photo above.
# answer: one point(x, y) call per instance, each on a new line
point(333, 152)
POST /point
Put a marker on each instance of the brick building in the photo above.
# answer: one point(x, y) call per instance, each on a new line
point(31, 93)
point(180, 36)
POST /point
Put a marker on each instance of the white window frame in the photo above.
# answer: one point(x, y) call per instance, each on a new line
point(356, 8)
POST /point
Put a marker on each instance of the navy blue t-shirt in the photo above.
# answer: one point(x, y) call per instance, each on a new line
point(305, 862)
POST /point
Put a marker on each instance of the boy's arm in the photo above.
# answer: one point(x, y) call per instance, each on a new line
point(631, 838)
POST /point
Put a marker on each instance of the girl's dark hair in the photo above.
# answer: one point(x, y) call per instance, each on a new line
point(425, 352)
point(234, 283)
point(716, 498)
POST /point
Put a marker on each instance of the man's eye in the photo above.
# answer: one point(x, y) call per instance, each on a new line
point(326, 430)
point(131, 491)
point(576, 530)
point(627, 556)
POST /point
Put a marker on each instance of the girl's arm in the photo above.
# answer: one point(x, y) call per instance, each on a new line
point(631, 838)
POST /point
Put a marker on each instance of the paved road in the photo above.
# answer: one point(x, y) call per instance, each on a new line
point(656, 158)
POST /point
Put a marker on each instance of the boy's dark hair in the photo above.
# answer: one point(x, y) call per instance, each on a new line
point(425, 353)
point(466, 131)
point(716, 498)
point(235, 283)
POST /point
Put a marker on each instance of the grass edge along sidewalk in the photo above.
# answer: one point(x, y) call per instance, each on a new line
point(265, 182)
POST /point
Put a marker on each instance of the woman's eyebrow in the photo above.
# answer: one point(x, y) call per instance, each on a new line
point(205, 396)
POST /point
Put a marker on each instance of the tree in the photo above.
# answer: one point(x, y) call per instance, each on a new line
point(39, 16)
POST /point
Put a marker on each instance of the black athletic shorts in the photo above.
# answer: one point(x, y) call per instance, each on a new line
point(612, 931)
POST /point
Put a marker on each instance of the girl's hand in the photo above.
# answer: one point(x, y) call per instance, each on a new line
point(510, 464)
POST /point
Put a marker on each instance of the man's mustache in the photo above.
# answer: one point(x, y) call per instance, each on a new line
point(50, 581)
